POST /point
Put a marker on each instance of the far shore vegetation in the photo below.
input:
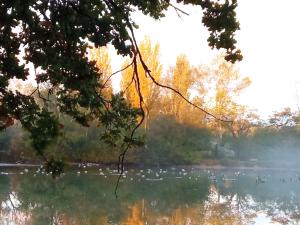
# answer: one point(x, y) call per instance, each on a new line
point(173, 131)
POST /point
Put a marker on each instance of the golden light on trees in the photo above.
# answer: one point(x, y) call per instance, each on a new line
point(181, 81)
point(225, 84)
point(102, 61)
point(149, 90)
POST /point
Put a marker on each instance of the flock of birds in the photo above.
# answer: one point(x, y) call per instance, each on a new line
point(139, 174)
point(156, 174)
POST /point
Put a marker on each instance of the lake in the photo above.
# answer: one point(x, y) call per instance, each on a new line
point(160, 196)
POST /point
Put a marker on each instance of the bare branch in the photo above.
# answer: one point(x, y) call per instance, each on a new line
point(132, 79)
point(38, 90)
point(122, 155)
point(178, 11)
point(33, 92)
point(119, 71)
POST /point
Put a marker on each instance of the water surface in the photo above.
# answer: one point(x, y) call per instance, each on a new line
point(174, 196)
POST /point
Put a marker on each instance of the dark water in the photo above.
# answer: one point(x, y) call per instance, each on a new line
point(173, 196)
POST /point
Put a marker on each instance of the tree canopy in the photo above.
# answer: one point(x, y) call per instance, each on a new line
point(51, 38)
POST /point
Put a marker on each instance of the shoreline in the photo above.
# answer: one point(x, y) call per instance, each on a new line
point(19, 165)
point(195, 166)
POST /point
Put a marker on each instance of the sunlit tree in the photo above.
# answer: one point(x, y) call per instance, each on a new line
point(102, 61)
point(284, 118)
point(181, 80)
point(225, 85)
point(149, 91)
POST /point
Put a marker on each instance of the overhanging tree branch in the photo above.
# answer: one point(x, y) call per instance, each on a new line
point(138, 56)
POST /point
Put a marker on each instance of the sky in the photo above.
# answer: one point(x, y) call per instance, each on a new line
point(269, 39)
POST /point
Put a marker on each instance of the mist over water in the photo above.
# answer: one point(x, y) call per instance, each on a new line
point(151, 196)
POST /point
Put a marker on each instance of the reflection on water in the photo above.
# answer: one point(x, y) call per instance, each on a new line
point(163, 196)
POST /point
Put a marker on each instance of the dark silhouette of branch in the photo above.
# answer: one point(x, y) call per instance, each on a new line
point(123, 154)
point(33, 92)
point(178, 10)
point(132, 79)
point(119, 71)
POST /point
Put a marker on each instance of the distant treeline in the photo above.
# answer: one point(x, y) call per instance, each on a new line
point(166, 142)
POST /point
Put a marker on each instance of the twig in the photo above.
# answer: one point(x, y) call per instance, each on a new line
point(33, 92)
point(119, 71)
point(12, 204)
point(178, 11)
point(122, 155)
point(38, 90)
point(132, 79)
